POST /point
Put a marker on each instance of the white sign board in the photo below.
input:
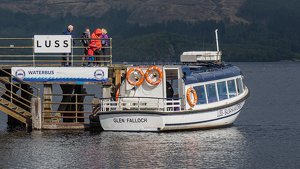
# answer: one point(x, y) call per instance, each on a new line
point(52, 43)
point(61, 74)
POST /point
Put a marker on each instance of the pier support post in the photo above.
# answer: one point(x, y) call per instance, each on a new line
point(106, 91)
point(118, 79)
point(66, 89)
point(47, 98)
point(36, 112)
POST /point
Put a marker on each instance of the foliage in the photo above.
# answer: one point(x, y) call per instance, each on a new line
point(273, 34)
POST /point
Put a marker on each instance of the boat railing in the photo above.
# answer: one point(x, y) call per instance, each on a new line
point(141, 103)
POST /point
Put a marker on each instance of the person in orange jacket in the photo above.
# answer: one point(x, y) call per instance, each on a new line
point(97, 34)
point(91, 51)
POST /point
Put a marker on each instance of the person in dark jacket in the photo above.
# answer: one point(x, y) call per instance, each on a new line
point(170, 91)
point(85, 42)
point(69, 31)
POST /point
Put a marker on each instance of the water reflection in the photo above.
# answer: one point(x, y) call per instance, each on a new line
point(226, 147)
point(210, 148)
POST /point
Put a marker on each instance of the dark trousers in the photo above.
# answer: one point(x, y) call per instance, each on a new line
point(98, 52)
point(67, 59)
point(105, 52)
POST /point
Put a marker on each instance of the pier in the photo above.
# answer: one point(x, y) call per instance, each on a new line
point(24, 64)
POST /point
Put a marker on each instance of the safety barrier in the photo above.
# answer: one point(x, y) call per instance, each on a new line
point(16, 98)
point(12, 88)
point(141, 103)
point(74, 114)
point(20, 52)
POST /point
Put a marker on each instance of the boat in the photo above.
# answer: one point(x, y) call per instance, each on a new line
point(202, 92)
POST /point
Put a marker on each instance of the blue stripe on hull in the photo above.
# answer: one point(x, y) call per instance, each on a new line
point(198, 122)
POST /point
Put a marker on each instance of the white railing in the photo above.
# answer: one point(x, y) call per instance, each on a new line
point(136, 103)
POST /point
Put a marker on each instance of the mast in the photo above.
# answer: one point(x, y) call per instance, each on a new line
point(216, 31)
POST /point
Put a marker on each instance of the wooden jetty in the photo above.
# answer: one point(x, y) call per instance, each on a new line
point(21, 98)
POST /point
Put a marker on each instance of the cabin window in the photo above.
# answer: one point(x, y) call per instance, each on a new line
point(243, 83)
point(201, 99)
point(231, 88)
point(222, 90)
point(211, 93)
point(239, 85)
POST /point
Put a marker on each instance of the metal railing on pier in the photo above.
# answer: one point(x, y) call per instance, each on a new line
point(16, 98)
point(13, 87)
point(20, 52)
point(75, 112)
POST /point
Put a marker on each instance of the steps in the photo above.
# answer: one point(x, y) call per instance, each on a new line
point(15, 111)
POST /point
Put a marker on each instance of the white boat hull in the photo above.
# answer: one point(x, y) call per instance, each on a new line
point(180, 120)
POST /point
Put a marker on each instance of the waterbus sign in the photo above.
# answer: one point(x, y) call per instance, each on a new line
point(52, 43)
point(61, 74)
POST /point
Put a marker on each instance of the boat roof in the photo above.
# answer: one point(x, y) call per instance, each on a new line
point(197, 74)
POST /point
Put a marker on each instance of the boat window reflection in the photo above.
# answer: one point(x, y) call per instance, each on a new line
point(239, 85)
point(243, 83)
point(231, 88)
point(222, 90)
point(211, 93)
point(201, 99)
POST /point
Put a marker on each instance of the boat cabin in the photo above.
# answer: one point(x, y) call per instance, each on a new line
point(164, 88)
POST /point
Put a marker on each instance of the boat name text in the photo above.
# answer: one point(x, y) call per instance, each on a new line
point(229, 110)
point(130, 120)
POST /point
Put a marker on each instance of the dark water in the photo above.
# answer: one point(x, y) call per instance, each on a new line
point(265, 135)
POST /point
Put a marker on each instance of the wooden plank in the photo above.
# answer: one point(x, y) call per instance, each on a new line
point(12, 114)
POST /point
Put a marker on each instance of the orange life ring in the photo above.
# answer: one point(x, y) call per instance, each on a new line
point(138, 82)
point(117, 94)
point(192, 103)
point(160, 75)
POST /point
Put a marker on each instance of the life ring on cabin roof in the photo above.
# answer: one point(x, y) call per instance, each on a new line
point(148, 78)
point(117, 94)
point(188, 95)
point(138, 82)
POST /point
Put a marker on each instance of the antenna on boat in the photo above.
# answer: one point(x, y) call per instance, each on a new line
point(216, 31)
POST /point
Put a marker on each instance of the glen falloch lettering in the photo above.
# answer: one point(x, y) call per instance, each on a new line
point(130, 120)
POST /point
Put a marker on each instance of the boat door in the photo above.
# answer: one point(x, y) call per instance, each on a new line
point(173, 85)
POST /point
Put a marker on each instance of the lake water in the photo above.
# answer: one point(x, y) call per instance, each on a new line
point(265, 135)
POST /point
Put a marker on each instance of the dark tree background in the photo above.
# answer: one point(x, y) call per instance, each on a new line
point(272, 35)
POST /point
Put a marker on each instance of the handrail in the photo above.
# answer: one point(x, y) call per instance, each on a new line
point(58, 115)
point(19, 81)
point(17, 100)
point(44, 60)
point(140, 103)
point(23, 82)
